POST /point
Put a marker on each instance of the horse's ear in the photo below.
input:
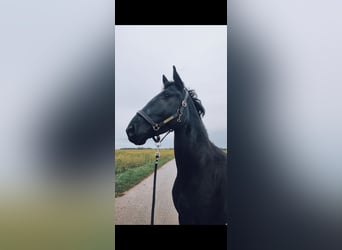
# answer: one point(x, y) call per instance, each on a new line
point(165, 81)
point(178, 81)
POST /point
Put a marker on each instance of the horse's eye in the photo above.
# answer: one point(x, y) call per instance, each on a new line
point(166, 95)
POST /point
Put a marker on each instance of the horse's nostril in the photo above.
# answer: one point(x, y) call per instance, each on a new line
point(130, 130)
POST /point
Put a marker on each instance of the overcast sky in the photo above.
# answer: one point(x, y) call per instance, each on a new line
point(144, 53)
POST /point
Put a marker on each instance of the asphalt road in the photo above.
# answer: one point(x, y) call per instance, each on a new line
point(134, 207)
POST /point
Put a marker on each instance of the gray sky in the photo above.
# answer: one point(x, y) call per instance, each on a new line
point(144, 53)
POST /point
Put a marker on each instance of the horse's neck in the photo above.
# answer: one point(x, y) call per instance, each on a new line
point(190, 140)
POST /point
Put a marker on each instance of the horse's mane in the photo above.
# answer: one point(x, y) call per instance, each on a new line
point(197, 102)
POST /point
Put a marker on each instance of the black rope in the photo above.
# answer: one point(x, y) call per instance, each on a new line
point(154, 185)
point(158, 142)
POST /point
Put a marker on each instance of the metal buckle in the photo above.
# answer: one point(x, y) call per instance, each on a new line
point(156, 127)
point(156, 139)
point(184, 103)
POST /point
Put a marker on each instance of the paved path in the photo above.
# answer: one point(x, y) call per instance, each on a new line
point(134, 207)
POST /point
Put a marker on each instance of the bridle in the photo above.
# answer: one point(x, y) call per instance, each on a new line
point(178, 115)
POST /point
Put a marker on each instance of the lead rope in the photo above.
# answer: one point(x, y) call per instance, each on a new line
point(154, 182)
point(157, 155)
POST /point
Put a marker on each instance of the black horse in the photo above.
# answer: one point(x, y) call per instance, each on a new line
point(199, 192)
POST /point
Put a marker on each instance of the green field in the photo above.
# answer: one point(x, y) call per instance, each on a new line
point(133, 165)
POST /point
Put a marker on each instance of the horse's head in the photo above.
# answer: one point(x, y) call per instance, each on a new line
point(164, 112)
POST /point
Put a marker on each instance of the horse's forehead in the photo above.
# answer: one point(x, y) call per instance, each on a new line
point(158, 96)
point(172, 87)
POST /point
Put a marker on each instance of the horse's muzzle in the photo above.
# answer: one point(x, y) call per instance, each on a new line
point(133, 136)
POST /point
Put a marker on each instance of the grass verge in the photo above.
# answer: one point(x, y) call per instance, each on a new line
point(129, 177)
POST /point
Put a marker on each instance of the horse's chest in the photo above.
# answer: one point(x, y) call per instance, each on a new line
point(198, 194)
point(185, 197)
point(191, 192)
